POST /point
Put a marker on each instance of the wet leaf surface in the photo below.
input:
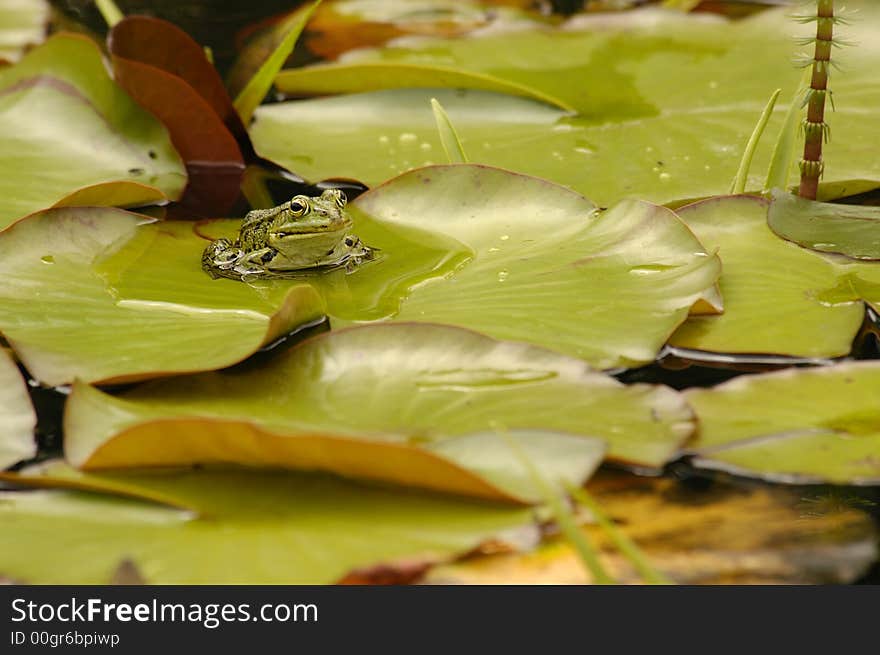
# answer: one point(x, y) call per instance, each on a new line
point(334, 399)
point(779, 298)
point(271, 528)
point(65, 125)
point(102, 294)
point(801, 426)
point(521, 258)
point(17, 416)
point(720, 535)
point(632, 136)
point(850, 230)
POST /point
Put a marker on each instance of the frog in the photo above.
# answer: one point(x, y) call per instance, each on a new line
point(306, 233)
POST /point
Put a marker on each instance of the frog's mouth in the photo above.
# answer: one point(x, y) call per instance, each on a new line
point(295, 229)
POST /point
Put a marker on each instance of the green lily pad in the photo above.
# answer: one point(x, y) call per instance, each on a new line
point(17, 416)
point(799, 426)
point(160, 433)
point(258, 528)
point(521, 258)
point(413, 384)
point(101, 294)
point(65, 125)
point(850, 230)
point(779, 298)
point(631, 135)
point(22, 23)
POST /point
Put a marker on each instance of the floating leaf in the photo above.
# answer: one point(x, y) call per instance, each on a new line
point(631, 137)
point(159, 432)
point(850, 230)
point(409, 383)
point(779, 299)
point(723, 534)
point(800, 426)
point(102, 294)
point(17, 417)
point(66, 125)
point(371, 76)
point(258, 528)
point(521, 258)
point(22, 23)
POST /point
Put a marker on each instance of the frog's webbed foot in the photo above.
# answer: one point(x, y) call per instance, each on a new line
point(224, 259)
point(356, 253)
point(220, 256)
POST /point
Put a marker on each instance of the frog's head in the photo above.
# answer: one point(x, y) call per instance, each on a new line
point(304, 216)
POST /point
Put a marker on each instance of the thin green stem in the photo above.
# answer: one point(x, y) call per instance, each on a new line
point(742, 175)
point(623, 543)
point(448, 136)
point(109, 11)
point(556, 501)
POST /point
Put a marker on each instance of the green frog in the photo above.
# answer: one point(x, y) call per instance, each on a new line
point(303, 234)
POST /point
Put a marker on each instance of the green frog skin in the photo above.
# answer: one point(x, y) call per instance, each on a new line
point(300, 235)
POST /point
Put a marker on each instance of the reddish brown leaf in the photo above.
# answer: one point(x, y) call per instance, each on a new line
point(162, 45)
point(167, 72)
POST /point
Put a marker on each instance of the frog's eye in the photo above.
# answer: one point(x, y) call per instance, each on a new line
point(299, 205)
point(349, 242)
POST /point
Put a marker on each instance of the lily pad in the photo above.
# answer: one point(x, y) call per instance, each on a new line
point(521, 258)
point(779, 298)
point(415, 384)
point(850, 230)
point(66, 125)
point(154, 432)
point(798, 426)
point(257, 528)
point(631, 135)
point(17, 416)
point(101, 294)
point(22, 23)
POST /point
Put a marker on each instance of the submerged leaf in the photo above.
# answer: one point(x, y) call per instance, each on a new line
point(798, 426)
point(325, 400)
point(102, 294)
point(850, 230)
point(17, 416)
point(779, 299)
point(720, 534)
point(255, 528)
point(106, 142)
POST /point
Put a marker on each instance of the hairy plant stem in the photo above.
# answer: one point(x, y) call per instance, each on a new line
point(815, 128)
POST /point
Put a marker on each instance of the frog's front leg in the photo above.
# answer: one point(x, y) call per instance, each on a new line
point(255, 262)
point(224, 259)
point(220, 256)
